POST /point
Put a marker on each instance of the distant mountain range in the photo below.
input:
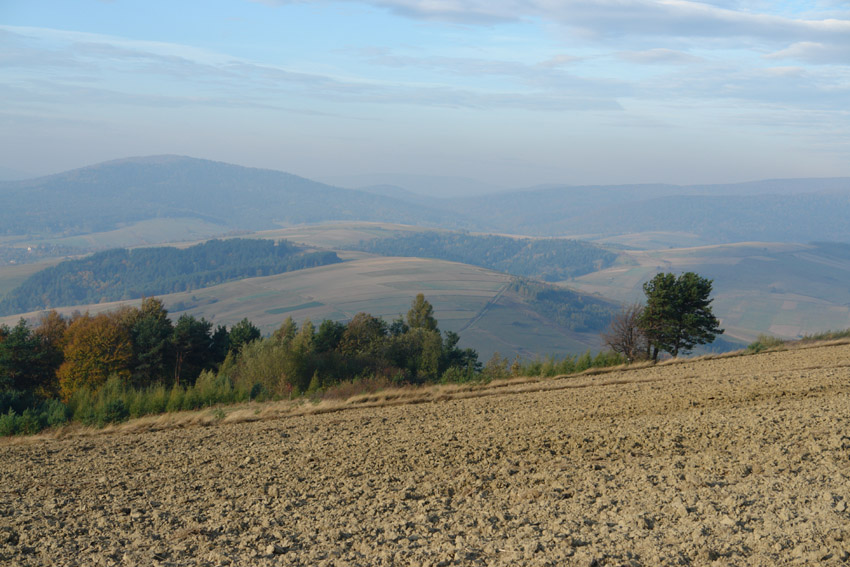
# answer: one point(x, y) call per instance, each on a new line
point(117, 193)
point(104, 196)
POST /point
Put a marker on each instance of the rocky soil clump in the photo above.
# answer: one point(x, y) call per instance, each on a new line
point(731, 461)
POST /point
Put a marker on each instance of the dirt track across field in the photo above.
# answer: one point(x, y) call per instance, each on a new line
point(731, 461)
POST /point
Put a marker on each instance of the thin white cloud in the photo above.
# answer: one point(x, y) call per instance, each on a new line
point(659, 56)
point(547, 75)
point(658, 18)
point(815, 52)
point(202, 78)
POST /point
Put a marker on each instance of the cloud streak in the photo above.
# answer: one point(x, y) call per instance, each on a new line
point(617, 18)
point(220, 81)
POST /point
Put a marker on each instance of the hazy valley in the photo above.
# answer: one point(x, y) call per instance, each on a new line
point(788, 288)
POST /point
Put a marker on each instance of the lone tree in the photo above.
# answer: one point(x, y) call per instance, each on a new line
point(678, 314)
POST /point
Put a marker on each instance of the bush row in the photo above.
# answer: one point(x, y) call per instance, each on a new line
point(116, 401)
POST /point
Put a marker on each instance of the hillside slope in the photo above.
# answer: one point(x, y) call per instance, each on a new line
point(787, 210)
point(105, 196)
point(735, 461)
point(114, 195)
point(787, 290)
point(472, 301)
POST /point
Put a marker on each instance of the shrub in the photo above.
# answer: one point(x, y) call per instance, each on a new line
point(458, 375)
point(30, 422)
point(175, 399)
point(112, 411)
point(495, 369)
point(765, 342)
point(215, 388)
point(8, 423)
point(608, 358)
point(191, 399)
point(315, 384)
point(583, 362)
point(567, 366)
point(827, 336)
point(81, 405)
point(56, 413)
point(135, 401)
point(156, 400)
point(258, 392)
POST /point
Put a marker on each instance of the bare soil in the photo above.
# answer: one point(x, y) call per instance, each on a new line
point(729, 461)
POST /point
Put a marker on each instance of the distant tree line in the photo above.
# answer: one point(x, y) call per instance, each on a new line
point(61, 367)
point(578, 312)
point(122, 274)
point(549, 259)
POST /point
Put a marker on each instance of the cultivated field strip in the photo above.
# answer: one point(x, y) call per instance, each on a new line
point(729, 461)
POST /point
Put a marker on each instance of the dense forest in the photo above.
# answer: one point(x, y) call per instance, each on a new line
point(549, 259)
point(578, 312)
point(62, 368)
point(120, 274)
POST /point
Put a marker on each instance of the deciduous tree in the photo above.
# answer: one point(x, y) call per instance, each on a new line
point(96, 347)
point(625, 336)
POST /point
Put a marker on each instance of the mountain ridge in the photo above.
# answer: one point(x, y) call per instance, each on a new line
point(119, 192)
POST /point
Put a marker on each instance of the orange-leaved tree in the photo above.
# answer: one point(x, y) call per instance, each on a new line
point(96, 347)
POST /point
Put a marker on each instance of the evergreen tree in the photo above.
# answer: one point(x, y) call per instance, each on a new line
point(22, 354)
point(286, 332)
point(193, 348)
point(421, 314)
point(678, 313)
point(243, 333)
point(329, 336)
point(151, 335)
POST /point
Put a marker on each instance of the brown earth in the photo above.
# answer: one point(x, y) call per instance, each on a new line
point(730, 461)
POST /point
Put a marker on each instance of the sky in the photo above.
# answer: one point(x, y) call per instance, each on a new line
point(510, 93)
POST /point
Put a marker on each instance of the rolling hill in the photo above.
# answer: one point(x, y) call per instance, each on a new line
point(787, 290)
point(115, 195)
point(477, 303)
point(110, 195)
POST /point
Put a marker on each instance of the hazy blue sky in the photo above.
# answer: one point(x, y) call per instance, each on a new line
point(513, 92)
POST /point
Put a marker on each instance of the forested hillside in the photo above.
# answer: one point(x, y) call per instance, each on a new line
point(128, 274)
point(104, 196)
point(546, 259)
point(576, 311)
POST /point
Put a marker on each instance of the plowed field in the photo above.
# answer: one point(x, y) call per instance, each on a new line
point(731, 461)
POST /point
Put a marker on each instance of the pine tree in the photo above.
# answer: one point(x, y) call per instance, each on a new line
point(421, 314)
point(678, 315)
